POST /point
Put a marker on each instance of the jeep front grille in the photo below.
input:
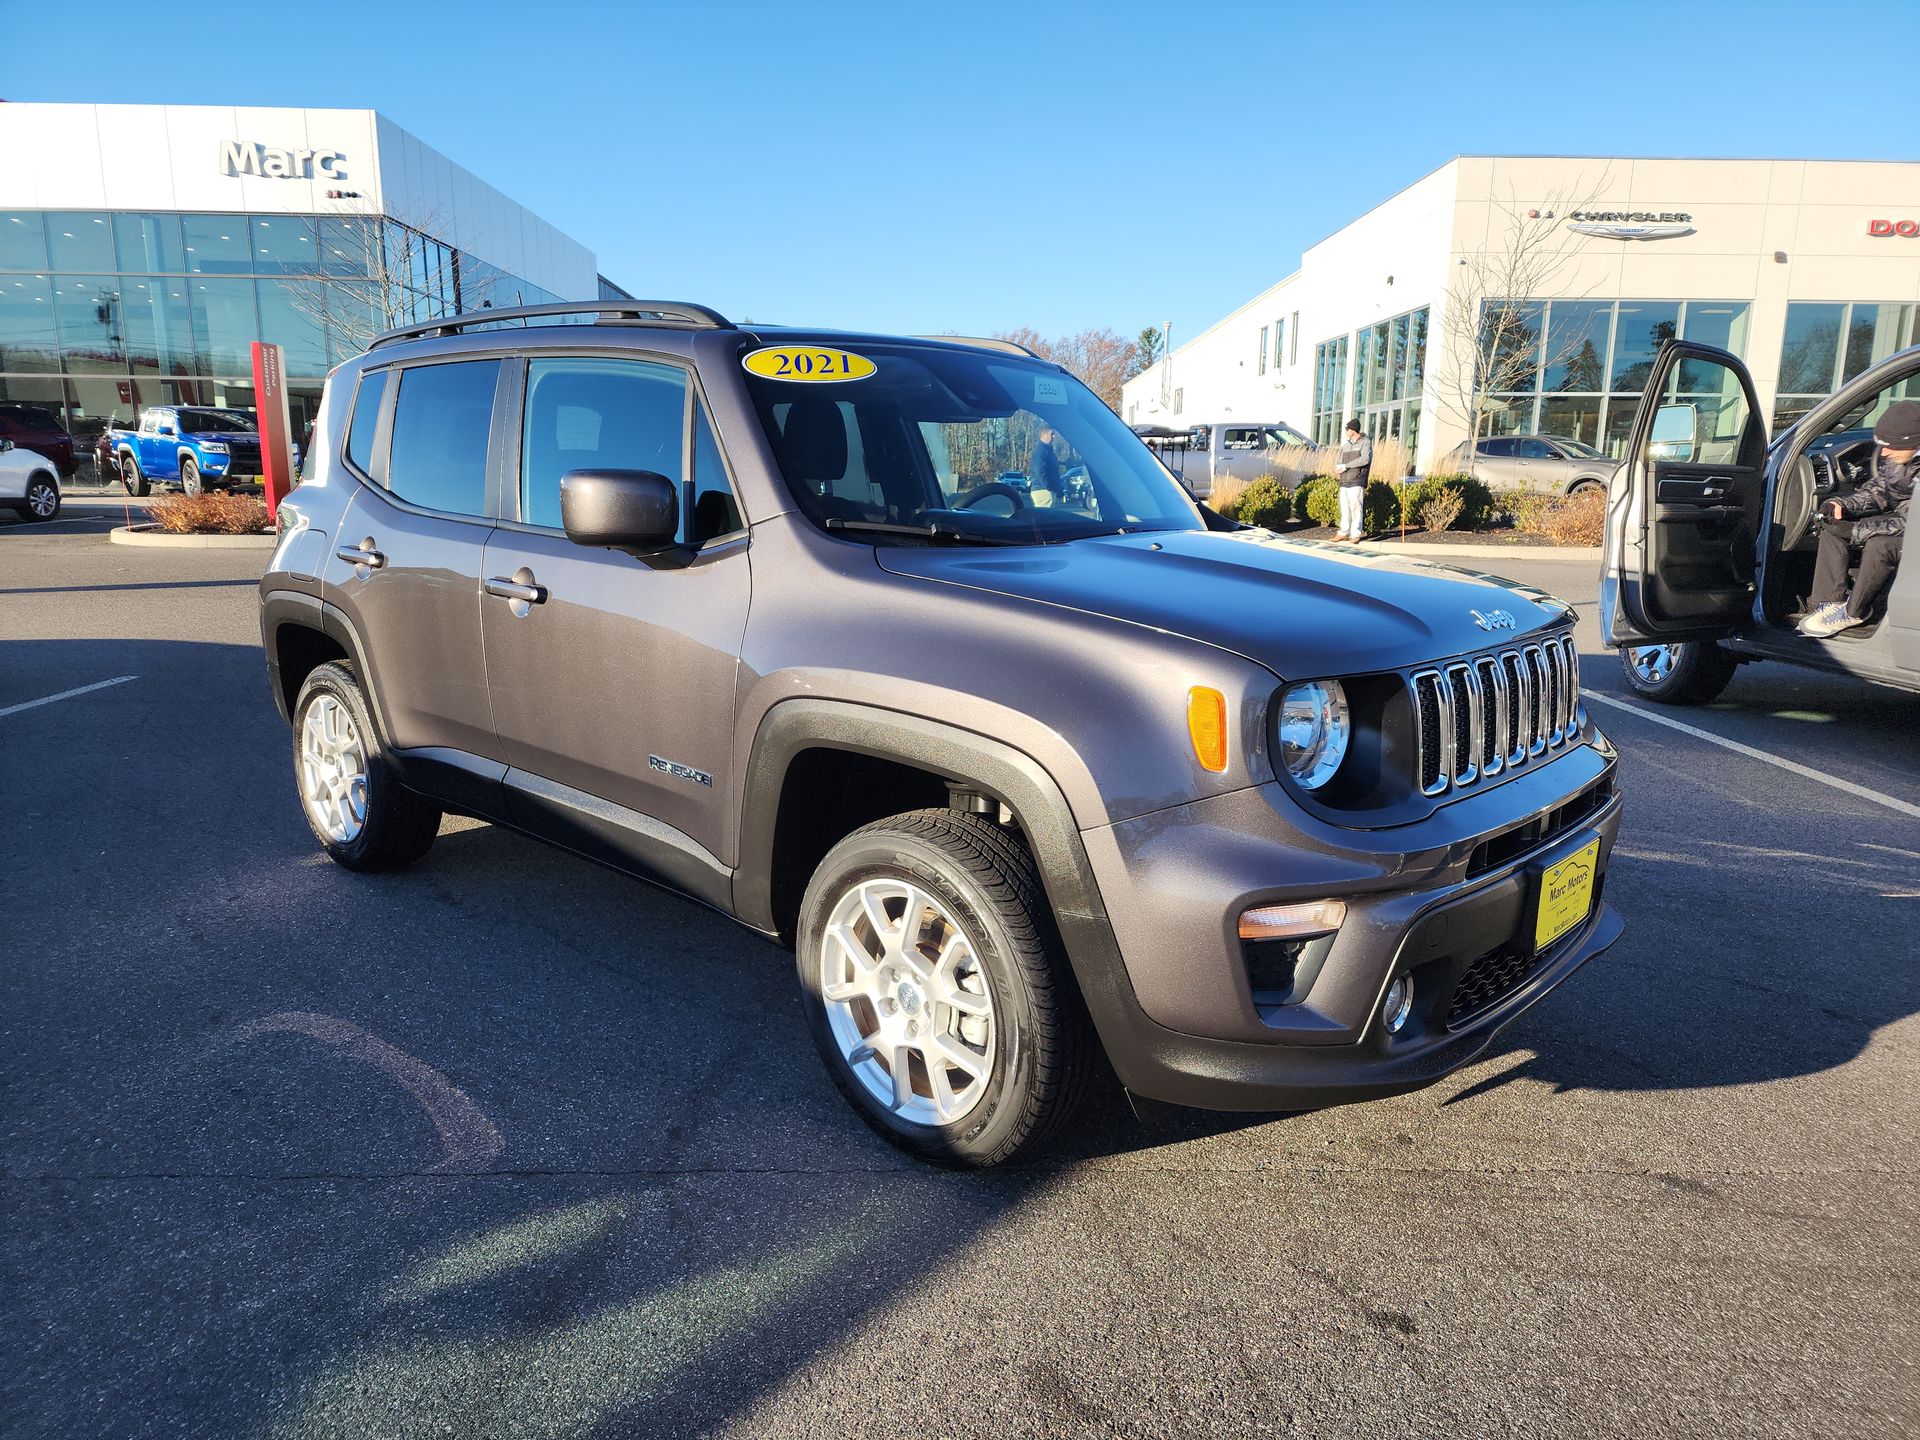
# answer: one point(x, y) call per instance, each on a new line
point(1476, 717)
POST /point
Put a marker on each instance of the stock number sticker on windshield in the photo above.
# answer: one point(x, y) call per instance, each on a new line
point(813, 363)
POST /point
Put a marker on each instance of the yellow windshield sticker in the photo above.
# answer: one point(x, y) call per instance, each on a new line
point(811, 363)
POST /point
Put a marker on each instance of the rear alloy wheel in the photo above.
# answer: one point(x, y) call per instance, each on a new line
point(131, 479)
point(354, 802)
point(1685, 672)
point(190, 475)
point(936, 990)
point(43, 498)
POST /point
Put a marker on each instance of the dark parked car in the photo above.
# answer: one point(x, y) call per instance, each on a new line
point(1709, 562)
point(36, 428)
point(748, 611)
point(1550, 464)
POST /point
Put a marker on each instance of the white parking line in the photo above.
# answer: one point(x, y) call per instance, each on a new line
point(65, 695)
point(1832, 782)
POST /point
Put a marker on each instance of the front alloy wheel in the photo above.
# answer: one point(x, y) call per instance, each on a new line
point(937, 991)
point(907, 1001)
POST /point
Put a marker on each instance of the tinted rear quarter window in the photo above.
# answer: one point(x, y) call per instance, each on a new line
point(366, 419)
point(441, 424)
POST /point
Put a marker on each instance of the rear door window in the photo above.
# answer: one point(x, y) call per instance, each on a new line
point(442, 423)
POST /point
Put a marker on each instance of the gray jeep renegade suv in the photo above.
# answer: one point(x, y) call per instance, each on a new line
point(1025, 778)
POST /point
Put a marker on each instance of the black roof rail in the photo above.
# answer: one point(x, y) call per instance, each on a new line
point(611, 312)
point(982, 342)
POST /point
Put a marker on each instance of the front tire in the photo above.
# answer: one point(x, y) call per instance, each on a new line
point(937, 992)
point(1688, 672)
point(190, 476)
point(354, 802)
point(42, 500)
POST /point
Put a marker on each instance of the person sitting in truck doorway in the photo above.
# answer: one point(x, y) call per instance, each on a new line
point(1873, 518)
point(1356, 459)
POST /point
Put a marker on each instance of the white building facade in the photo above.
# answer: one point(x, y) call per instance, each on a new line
point(1808, 270)
point(143, 248)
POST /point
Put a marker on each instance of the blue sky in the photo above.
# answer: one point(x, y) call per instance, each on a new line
point(979, 167)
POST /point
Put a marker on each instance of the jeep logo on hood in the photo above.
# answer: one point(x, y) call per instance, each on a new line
point(1492, 619)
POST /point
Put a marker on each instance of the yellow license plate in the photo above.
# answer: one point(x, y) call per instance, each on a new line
point(1566, 894)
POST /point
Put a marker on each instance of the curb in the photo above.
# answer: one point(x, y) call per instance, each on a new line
point(147, 535)
point(1563, 554)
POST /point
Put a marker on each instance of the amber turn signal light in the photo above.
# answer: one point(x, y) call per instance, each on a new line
point(1293, 922)
point(1207, 724)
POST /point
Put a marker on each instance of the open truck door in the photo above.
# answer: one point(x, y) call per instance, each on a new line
point(1683, 512)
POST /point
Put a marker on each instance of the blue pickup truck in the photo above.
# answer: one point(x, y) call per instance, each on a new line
point(197, 447)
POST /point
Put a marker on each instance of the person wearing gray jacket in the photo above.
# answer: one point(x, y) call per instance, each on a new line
point(1356, 459)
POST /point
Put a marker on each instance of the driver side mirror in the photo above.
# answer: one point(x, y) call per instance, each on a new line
point(5, 445)
point(637, 511)
point(1674, 428)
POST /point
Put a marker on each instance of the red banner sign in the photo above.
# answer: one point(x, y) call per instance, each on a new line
point(270, 408)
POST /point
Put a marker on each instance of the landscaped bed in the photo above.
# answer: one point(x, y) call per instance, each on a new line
point(1436, 509)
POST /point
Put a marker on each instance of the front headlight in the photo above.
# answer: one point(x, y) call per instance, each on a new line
point(214, 447)
point(1314, 731)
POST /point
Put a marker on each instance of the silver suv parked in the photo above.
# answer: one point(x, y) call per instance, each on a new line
point(1026, 779)
point(1549, 464)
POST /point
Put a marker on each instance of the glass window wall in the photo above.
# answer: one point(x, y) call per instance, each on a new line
point(100, 309)
point(1827, 344)
point(1577, 367)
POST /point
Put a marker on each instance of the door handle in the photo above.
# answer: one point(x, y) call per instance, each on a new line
point(524, 591)
point(361, 554)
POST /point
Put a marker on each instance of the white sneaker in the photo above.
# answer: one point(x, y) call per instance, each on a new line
point(1829, 619)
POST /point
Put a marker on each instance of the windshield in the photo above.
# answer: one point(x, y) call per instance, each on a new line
point(222, 420)
point(972, 444)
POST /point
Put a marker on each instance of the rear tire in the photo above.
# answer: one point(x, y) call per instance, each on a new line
point(972, 911)
point(1688, 672)
point(352, 797)
point(131, 479)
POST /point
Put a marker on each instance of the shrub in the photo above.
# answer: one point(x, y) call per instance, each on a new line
point(209, 514)
point(1477, 505)
point(1581, 520)
point(1265, 502)
point(1441, 509)
point(1319, 501)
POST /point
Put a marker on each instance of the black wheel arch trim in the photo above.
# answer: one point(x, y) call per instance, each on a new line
point(282, 608)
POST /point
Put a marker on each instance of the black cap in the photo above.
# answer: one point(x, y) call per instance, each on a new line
point(1354, 425)
point(1899, 428)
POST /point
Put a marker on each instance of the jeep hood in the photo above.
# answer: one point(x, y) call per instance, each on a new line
point(1300, 608)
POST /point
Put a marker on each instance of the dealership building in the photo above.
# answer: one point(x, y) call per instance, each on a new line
point(143, 248)
point(1808, 270)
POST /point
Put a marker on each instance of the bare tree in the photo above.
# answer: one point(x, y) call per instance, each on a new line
point(1102, 359)
point(1491, 331)
point(385, 273)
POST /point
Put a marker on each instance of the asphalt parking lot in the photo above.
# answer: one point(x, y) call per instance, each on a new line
point(510, 1145)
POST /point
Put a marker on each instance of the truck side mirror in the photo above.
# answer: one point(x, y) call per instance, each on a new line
point(1674, 429)
point(5, 445)
point(633, 510)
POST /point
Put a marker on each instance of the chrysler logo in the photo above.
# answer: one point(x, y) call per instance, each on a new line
point(1609, 231)
point(1492, 619)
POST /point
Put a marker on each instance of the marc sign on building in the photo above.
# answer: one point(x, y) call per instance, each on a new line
point(238, 157)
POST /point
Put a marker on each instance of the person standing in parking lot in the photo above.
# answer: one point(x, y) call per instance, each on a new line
point(1044, 469)
point(1874, 518)
point(1356, 459)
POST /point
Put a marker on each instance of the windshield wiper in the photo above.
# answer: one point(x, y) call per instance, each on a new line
point(937, 533)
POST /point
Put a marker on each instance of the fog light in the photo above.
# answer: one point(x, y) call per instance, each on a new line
point(1399, 1004)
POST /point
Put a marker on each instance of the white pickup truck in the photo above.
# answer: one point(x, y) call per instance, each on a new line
point(1200, 454)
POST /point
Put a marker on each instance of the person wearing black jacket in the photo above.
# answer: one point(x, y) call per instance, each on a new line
point(1873, 518)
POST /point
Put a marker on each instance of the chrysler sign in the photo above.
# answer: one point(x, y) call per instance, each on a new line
point(1624, 224)
point(239, 158)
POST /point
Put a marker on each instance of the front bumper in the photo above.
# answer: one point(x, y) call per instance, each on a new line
point(1432, 900)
